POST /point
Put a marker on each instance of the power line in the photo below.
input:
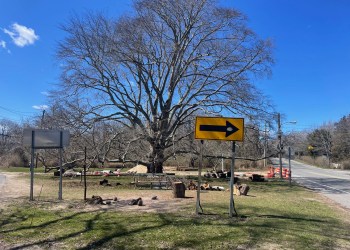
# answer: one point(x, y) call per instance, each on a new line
point(17, 112)
point(13, 115)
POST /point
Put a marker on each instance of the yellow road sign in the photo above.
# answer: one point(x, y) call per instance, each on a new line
point(219, 128)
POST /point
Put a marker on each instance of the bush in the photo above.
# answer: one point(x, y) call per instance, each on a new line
point(345, 165)
point(245, 164)
point(17, 158)
point(320, 161)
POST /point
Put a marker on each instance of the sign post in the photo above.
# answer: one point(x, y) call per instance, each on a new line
point(31, 196)
point(290, 166)
point(60, 149)
point(198, 202)
point(220, 128)
point(85, 188)
point(232, 204)
point(45, 139)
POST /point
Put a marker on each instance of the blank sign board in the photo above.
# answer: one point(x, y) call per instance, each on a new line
point(44, 138)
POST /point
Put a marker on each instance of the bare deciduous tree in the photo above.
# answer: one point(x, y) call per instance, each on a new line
point(341, 146)
point(9, 135)
point(151, 71)
point(321, 141)
point(297, 140)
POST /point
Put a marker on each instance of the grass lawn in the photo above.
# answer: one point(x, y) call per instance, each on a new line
point(272, 216)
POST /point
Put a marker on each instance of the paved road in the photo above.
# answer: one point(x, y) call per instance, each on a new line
point(333, 183)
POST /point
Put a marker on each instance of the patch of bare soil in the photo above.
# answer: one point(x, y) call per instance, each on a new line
point(15, 190)
point(161, 204)
point(14, 187)
point(153, 201)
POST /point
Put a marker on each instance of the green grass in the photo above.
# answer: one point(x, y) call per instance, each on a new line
point(20, 170)
point(273, 215)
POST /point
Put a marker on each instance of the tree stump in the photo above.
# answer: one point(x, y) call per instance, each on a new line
point(179, 190)
point(244, 189)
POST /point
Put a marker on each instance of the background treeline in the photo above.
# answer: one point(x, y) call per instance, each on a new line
point(110, 144)
point(326, 146)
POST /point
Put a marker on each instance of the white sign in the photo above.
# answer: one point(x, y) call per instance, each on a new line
point(44, 138)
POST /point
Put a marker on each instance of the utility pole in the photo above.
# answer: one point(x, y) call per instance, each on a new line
point(280, 142)
point(42, 119)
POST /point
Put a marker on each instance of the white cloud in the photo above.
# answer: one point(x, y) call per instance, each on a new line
point(3, 45)
point(40, 107)
point(45, 93)
point(21, 35)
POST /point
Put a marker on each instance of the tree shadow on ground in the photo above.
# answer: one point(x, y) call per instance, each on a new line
point(123, 229)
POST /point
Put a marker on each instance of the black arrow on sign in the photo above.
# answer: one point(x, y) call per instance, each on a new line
point(228, 128)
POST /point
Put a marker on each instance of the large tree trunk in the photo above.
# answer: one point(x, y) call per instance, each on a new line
point(159, 167)
point(155, 167)
point(156, 159)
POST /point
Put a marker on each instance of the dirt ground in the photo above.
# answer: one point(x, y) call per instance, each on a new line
point(13, 188)
point(16, 190)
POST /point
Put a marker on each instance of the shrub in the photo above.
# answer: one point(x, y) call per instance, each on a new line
point(320, 161)
point(17, 158)
point(345, 165)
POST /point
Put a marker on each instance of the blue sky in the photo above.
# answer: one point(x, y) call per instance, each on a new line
point(309, 83)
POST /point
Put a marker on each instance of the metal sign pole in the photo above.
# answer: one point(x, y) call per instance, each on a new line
point(60, 184)
point(219, 128)
point(45, 139)
point(222, 163)
point(85, 174)
point(232, 205)
point(198, 203)
point(31, 196)
point(290, 167)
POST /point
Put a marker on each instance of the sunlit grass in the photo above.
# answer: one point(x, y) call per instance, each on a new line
point(273, 215)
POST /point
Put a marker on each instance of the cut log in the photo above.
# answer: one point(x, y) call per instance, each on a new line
point(179, 190)
point(236, 190)
point(244, 189)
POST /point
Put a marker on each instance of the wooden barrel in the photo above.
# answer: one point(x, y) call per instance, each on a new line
point(179, 190)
